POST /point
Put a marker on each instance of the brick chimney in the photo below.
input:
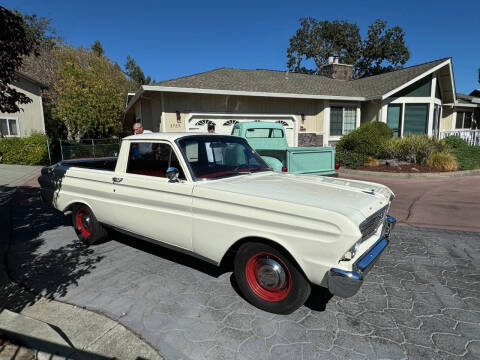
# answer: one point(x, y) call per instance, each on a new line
point(335, 70)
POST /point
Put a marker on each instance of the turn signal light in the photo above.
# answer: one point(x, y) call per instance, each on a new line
point(337, 166)
point(284, 169)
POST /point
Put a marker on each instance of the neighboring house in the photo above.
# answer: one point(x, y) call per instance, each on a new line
point(462, 118)
point(314, 109)
point(30, 118)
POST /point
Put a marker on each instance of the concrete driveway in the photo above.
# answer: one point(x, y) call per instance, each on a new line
point(445, 203)
point(422, 300)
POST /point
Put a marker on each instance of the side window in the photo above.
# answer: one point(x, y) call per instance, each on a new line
point(152, 159)
point(277, 133)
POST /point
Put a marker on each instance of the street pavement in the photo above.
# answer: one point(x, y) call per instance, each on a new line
point(421, 300)
point(443, 203)
point(12, 175)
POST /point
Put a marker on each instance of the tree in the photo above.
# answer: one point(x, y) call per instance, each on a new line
point(134, 72)
point(14, 45)
point(319, 40)
point(383, 50)
point(97, 48)
point(39, 29)
point(91, 95)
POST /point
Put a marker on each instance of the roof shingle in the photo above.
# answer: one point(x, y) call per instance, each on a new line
point(272, 81)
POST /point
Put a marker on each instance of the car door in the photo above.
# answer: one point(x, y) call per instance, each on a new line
point(146, 202)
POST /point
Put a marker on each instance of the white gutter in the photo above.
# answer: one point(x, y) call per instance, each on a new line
point(457, 104)
point(162, 89)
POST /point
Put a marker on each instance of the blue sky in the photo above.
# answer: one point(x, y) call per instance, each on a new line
point(176, 38)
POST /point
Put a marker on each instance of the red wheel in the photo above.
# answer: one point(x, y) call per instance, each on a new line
point(88, 229)
point(269, 278)
point(83, 222)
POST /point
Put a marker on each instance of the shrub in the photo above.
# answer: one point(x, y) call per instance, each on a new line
point(468, 157)
point(349, 158)
point(370, 161)
point(367, 140)
point(443, 160)
point(412, 148)
point(31, 150)
point(455, 142)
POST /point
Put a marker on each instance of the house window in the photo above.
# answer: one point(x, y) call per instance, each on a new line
point(416, 119)
point(342, 120)
point(464, 120)
point(8, 127)
point(394, 118)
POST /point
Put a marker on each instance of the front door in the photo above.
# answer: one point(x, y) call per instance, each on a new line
point(147, 203)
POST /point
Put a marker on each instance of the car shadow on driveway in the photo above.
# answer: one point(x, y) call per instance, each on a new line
point(317, 301)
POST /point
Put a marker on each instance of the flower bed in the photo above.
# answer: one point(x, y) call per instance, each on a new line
point(403, 168)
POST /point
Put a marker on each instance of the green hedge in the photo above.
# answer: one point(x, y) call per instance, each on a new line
point(367, 140)
point(349, 158)
point(31, 150)
point(468, 157)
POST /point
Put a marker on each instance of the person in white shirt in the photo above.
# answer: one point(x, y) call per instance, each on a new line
point(143, 148)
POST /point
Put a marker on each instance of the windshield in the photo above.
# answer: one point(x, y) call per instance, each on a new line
point(220, 156)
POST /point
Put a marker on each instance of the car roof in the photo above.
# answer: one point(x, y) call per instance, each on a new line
point(171, 136)
point(260, 125)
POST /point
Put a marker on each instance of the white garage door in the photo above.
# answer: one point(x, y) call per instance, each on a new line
point(225, 125)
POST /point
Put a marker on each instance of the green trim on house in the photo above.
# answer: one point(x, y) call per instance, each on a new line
point(421, 88)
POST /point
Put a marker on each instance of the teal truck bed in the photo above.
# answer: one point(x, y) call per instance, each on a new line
point(268, 139)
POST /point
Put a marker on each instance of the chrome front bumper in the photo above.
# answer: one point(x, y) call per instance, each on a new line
point(346, 283)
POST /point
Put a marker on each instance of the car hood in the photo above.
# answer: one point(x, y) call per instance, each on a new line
point(352, 198)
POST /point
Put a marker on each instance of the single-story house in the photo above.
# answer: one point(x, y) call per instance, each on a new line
point(314, 109)
point(30, 118)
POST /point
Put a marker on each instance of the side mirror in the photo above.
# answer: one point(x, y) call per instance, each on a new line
point(172, 174)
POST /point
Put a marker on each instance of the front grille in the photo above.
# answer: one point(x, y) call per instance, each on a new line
point(372, 223)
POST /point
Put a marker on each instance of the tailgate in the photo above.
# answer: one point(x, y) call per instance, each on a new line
point(311, 160)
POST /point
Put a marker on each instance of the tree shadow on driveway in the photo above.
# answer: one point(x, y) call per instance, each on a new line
point(30, 256)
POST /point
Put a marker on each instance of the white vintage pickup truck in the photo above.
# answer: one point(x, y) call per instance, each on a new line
point(212, 196)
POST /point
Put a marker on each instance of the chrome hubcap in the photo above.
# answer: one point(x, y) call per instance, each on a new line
point(271, 274)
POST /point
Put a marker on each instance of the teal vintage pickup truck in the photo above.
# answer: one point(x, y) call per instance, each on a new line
point(268, 139)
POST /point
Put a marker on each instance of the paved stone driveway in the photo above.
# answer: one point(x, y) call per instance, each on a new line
point(422, 300)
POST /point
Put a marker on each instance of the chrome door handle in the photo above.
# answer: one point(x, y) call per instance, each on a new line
point(117, 180)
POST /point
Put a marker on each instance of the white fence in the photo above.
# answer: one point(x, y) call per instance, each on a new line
point(470, 136)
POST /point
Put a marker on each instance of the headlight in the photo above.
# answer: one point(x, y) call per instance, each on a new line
point(350, 254)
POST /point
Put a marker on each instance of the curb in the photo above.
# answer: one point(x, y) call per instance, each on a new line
point(446, 174)
point(34, 334)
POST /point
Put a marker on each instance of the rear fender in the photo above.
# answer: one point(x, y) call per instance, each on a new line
point(274, 163)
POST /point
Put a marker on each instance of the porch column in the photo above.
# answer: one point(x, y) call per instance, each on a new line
point(431, 107)
point(358, 114)
point(326, 122)
point(163, 126)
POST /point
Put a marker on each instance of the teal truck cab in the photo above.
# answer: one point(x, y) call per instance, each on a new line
point(268, 139)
